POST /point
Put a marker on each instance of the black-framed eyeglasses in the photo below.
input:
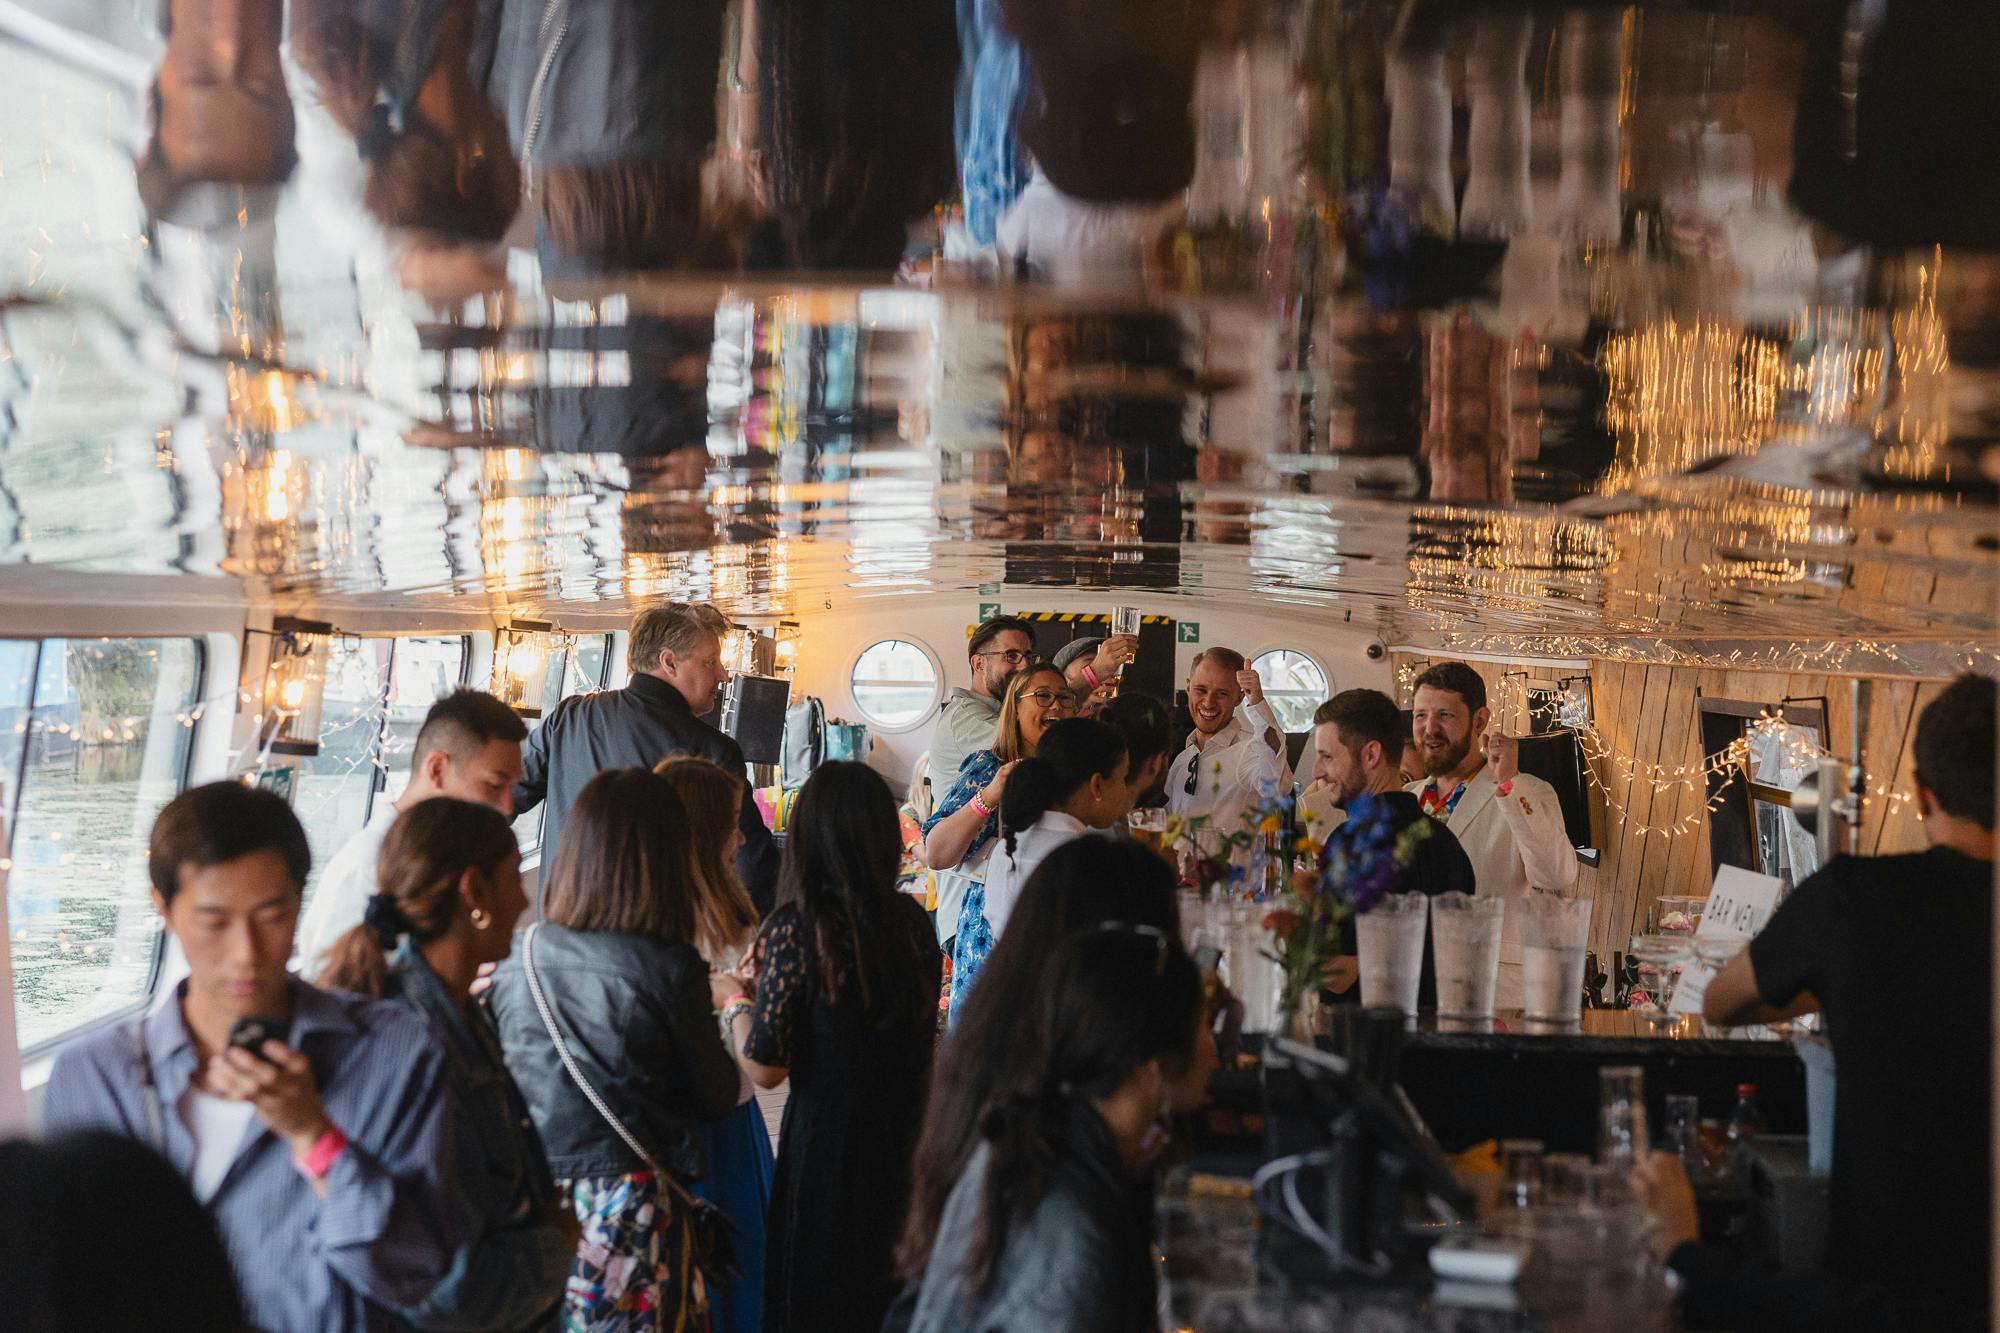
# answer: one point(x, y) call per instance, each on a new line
point(1048, 698)
point(1012, 656)
point(1153, 933)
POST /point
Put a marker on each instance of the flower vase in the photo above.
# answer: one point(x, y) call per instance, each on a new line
point(1306, 1019)
point(1254, 975)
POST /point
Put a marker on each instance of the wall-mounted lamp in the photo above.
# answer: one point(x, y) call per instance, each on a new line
point(294, 686)
point(524, 652)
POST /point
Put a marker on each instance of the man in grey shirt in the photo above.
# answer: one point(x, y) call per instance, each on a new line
point(999, 650)
point(319, 1151)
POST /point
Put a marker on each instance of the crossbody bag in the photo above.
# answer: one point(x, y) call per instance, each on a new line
point(714, 1236)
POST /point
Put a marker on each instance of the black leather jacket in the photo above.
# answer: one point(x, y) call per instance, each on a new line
point(635, 727)
point(635, 1012)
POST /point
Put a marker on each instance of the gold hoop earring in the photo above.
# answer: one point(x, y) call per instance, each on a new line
point(481, 918)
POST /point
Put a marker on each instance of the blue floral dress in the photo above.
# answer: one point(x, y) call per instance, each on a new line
point(975, 936)
point(992, 87)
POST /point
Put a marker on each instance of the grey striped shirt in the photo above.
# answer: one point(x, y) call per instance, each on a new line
point(304, 1264)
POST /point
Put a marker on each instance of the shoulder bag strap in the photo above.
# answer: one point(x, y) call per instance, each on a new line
point(583, 1084)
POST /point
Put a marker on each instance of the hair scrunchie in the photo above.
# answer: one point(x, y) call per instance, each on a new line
point(386, 919)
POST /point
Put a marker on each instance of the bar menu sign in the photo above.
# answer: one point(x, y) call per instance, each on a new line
point(1738, 906)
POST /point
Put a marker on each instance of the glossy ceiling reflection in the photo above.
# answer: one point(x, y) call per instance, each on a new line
point(1474, 322)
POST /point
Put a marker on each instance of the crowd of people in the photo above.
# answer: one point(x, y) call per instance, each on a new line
point(454, 1108)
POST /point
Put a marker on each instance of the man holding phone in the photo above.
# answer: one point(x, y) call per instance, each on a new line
point(308, 1123)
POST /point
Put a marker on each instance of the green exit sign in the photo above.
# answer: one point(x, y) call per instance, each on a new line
point(1190, 631)
point(988, 610)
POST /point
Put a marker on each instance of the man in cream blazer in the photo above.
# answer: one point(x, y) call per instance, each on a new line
point(1509, 822)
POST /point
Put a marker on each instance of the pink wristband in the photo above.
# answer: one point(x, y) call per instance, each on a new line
point(979, 807)
point(1091, 676)
point(319, 1159)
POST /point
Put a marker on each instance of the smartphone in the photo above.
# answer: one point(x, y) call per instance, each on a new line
point(250, 1034)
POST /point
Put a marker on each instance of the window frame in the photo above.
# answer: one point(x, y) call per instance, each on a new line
point(381, 783)
point(531, 854)
point(930, 709)
point(1325, 677)
point(157, 963)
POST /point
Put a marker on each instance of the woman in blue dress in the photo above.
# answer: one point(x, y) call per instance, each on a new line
point(960, 832)
point(740, 1161)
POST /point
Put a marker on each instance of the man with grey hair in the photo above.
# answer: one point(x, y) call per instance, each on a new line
point(677, 675)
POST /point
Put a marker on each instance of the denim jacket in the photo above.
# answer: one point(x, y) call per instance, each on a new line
point(509, 1274)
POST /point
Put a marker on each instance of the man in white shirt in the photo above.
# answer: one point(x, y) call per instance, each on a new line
point(1236, 754)
point(1509, 822)
point(469, 747)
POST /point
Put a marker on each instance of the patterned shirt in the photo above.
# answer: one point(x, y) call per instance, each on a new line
point(379, 1238)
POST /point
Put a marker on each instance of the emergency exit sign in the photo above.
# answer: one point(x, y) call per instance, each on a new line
point(988, 610)
point(1190, 631)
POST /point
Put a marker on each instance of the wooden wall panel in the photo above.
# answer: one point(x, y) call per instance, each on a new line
point(1650, 715)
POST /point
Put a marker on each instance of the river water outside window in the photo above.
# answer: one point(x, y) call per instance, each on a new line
point(94, 739)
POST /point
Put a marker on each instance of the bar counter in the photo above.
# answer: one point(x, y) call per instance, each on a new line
point(1507, 1082)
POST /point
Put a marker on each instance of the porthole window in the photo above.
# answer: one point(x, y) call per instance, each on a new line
point(894, 684)
point(1294, 684)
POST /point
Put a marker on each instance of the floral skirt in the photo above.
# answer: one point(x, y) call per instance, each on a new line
point(969, 949)
point(633, 1271)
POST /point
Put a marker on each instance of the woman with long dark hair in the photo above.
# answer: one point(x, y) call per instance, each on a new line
point(740, 1163)
point(449, 895)
point(605, 1015)
point(846, 976)
point(1075, 781)
point(1081, 883)
point(1050, 1224)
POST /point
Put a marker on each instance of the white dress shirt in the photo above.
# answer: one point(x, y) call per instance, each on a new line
point(1006, 874)
point(1236, 770)
point(342, 894)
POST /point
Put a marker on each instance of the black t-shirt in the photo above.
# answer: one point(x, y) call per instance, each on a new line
point(1899, 952)
point(1440, 866)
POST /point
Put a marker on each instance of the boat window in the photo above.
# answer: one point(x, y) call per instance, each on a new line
point(95, 736)
point(894, 683)
point(581, 671)
point(377, 692)
point(421, 671)
point(1295, 685)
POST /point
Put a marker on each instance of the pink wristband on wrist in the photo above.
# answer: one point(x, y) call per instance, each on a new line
point(1091, 676)
point(979, 807)
point(319, 1159)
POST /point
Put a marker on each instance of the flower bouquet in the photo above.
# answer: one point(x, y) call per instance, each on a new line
point(1362, 860)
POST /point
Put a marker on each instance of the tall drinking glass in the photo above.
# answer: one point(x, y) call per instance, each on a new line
point(1554, 933)
point(1465, 946)
point(1621, 1116)
point(1390, 938)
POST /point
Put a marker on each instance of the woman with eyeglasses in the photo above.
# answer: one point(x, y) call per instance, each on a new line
point(959, 834)
point(1050, 1224)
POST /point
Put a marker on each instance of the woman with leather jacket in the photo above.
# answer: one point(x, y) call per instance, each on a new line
point(1050, 1224)
point(449, 895)
point(611, 979)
